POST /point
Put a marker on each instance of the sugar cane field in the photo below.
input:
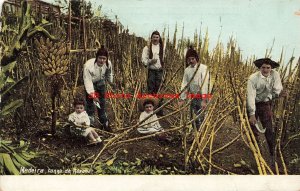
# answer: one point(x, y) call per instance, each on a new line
point(42, 58)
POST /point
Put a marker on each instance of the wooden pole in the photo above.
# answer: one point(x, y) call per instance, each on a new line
point(69, 29)
point(69, 46)
point(83, 26)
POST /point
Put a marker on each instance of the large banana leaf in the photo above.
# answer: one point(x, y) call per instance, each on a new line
point(12, 86)
point(4, 79)
point(11, 107)
point(15, 157)
point(8, 108)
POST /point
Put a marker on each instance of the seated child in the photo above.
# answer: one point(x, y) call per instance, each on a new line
point(147, 105)
point(81, 119)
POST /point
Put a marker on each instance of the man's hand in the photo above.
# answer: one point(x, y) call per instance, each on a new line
point(112, 85)
point(283, 93)
point(252, 120)
point(93, 95)
point(152, 61)
point(203, 104)
point(180, 103)
point(96, 100)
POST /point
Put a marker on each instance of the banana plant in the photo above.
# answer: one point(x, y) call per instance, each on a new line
point(7, 84)
point(22, 32)
point(14, 157)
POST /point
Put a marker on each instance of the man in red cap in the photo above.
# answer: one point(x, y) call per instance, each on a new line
point(262, 87)
point(197, 85)
point(97, 71)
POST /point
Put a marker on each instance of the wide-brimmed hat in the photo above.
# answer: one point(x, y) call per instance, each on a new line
point(258, 63)
point(147, 98)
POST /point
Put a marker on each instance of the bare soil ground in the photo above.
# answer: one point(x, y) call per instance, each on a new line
point(61, 150)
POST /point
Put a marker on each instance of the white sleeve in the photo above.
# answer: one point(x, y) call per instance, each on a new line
point(251, 94)
point(145, 56)
point(277, 85)
point(183, 84)
point(110, 72)
point(87, 79)
point(204, 82)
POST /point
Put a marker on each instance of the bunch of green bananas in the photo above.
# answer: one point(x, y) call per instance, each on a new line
point(15, 157)
point(52, 56)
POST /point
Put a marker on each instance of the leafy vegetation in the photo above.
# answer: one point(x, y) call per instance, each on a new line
point(14, 157)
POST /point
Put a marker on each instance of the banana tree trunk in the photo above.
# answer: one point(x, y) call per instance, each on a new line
point(54, 115)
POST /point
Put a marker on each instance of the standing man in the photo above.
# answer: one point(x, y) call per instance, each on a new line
point(152, 58)
point(263, 86)
point(98, 71)
point(196, 76)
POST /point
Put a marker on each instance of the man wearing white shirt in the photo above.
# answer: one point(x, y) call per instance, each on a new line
point(97, 71)
point(152, 58)
point(196, 78)
point(262, 87)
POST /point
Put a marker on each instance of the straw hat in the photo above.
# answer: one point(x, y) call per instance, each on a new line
point(151, 98)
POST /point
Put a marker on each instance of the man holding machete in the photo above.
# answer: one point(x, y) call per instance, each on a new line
point(98, 71)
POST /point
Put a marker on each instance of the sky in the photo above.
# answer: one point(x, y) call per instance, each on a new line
point(255, 24)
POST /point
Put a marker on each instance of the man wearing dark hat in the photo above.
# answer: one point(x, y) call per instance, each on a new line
point(97, 71)
point(263, 86)
point(197, 84)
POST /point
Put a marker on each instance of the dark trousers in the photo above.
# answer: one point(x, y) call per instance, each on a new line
point(264, 114)
point(195, 108)
point(90, 107)
point(154, 80)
